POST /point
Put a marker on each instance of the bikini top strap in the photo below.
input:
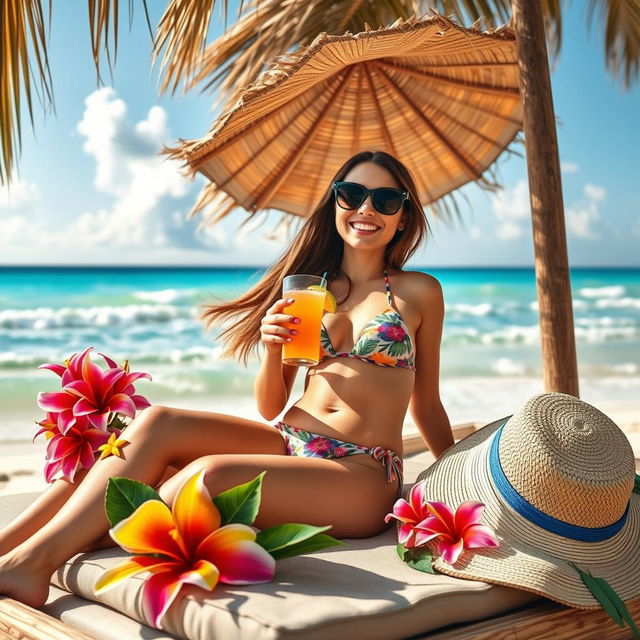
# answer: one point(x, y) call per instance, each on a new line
point(387, 287)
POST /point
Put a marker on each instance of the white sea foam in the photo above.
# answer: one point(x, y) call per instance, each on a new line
point(190, 355)
point(13, 359)
point(628, 368)
point(164, 296)
point(507, 367)
point(605, 334)
point(482, 309)
point(591, 330)
point(614, 291)
point(618, 303)
point(576, 303)
point(606, 322)
point(106, 316)
point(180, 384)
point(512, 335)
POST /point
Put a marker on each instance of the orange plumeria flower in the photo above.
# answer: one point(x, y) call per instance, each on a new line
point(185, 544)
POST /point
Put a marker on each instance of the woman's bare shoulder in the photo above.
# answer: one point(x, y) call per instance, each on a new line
point(419, 284)
point(422, 295)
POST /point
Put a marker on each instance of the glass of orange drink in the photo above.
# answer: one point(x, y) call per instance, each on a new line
point(308, 293)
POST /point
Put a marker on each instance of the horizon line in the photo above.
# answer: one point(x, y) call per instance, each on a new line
point(249, 266)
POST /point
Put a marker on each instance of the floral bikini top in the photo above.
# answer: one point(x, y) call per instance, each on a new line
point(384, 341)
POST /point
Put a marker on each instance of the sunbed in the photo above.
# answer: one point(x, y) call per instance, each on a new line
point(360, 590)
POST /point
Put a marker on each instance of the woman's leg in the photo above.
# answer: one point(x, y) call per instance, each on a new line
point(105, 541)
point(158, 438)
point(45, 506)
point(351, 494)
point(38, 513)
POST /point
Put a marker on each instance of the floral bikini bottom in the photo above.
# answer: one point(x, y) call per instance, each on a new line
point(313, 445)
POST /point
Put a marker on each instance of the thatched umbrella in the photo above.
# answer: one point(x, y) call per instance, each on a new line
point(443, 99)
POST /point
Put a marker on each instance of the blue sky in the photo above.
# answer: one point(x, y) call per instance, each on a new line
point(92, 190)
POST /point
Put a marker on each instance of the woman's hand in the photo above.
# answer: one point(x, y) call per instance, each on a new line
point(272, 333)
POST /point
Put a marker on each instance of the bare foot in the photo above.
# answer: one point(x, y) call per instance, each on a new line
point(20, 581)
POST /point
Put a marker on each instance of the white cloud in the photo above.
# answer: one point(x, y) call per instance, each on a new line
point(580, 220)
point(128, 167)
point(569, 167)
point(147, 196)
point(18, 195)
point(594, 192)
point(144, 198)
point(583, 216)
point(13, 229)
point(511, 208)
point(509, 231)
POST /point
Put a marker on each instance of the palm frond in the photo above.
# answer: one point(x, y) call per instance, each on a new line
point(104, 18)
point(267, 29)
point(621, 20)
point(182, 33)
point(22, 38)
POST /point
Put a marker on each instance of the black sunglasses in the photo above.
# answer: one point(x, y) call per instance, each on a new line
point(386, 200)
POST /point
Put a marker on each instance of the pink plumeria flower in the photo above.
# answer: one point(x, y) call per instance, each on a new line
point(455, 532)
point(410, 514)
point(49, 426)
point(73, 450)
point(89, 391)
point(189, 547)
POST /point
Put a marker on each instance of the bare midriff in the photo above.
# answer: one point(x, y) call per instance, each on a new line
point(354, 401)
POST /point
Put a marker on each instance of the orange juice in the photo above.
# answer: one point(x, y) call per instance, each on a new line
point(304, 348)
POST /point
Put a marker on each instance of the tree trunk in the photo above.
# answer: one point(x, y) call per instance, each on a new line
point(545, 188)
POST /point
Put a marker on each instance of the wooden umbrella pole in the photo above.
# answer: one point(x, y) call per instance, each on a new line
point(545, 188)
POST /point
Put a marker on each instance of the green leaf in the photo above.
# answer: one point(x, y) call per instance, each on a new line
point(285, 535)
point(599, 594)
point(608, 598)
point(618, 603)
point(124, 496)
point(241, 503)
point(401, 550)
point(636, 484)
point(117, 422)
point(420, 559)
point(367, 347)
point(397, 349)
point(315, 543)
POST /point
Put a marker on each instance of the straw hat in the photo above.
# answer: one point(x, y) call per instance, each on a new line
point(557, 480)
point(443, 99)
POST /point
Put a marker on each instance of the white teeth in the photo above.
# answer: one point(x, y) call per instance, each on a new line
point(364, 227)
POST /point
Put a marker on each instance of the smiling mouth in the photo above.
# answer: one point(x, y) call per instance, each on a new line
point(365, 229)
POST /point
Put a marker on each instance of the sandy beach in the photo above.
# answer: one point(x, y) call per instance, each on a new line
point(22, 462)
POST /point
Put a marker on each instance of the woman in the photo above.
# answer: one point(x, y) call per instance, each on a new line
point(357, 395)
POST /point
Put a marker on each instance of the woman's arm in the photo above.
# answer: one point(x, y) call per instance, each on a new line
point(425, 405)
point(273, 384)
point(275, 379)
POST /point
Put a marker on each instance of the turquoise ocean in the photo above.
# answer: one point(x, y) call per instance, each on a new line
point(490, 359)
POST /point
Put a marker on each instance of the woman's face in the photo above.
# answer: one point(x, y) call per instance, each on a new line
point(372, 176)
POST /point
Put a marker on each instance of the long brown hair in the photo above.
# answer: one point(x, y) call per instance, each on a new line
point(316, 248)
